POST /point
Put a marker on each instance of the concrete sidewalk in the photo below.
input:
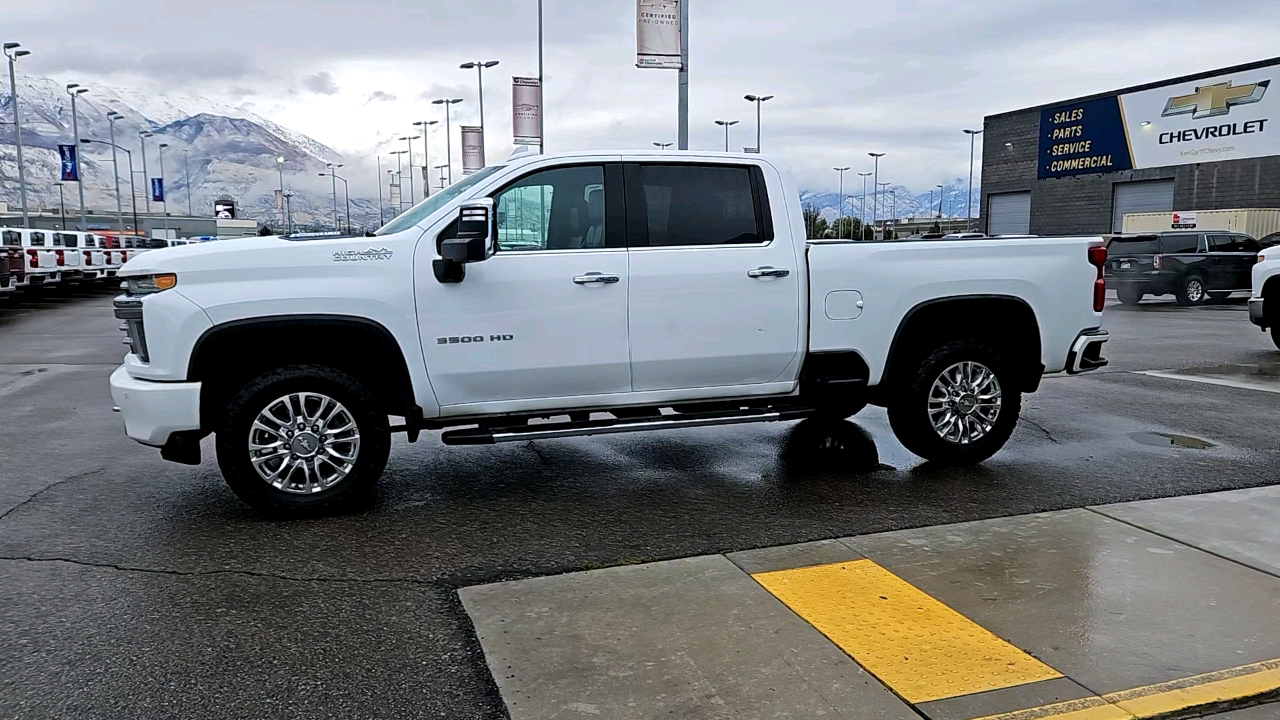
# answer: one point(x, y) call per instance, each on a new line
point(1156, 609)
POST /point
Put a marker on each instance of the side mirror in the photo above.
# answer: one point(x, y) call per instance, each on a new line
point(476, 241)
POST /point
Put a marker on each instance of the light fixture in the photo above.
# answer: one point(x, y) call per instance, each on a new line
point(1145, 123)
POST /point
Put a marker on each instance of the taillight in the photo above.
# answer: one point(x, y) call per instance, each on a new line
point(88, 258)
point(62, 260)
point(33, 259)
point(1098, 259)
point(1155, 262)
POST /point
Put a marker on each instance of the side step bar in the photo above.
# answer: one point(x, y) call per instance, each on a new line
point(493, 435)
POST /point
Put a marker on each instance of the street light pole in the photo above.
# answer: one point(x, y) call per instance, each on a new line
point(940, 189)
point(62, 204)
point(875, 195)
point(448, 132)
point(133, 190)
point(426, 155)
point(726, 124)
point(74, 90)
point(758, 100)
point(346, 193)
point(146, 177)
point(164, 194)
point(409, 140)
point(968, 211)
point(862, 212)
point(186, 179)
point(112, 117)
point(382, 217)
point(333, 169)
point(840, 227)
point(280, 170)
point(12, 52)
point(480, 66)
point(400, 181)
point(288, 211)
point(682, 80)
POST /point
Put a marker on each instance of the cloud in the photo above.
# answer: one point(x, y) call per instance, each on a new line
point(379, 96)
point(168, 66)
point(321, 83)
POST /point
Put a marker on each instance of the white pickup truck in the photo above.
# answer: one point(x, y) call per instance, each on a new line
point(581, 294)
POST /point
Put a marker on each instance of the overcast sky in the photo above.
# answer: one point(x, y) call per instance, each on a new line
point(849, 77)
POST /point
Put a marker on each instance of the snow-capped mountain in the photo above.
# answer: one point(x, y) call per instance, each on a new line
point(223, 150)
point(896, 201)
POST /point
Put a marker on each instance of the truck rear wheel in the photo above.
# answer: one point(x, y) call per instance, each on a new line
point(303, 439)
point(960, 407)
point(1129, 295)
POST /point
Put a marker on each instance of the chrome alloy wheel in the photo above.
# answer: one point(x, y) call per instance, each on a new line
point(304, 443)
point(964, 402)
point(1195, 290)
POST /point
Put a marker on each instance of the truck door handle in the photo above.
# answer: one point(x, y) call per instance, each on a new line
point(766, 271)
point(595, 277)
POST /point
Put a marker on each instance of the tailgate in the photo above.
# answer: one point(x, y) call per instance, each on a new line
point(1129, 266)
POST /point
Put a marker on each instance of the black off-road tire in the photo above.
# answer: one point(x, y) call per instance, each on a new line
point(1275, 334)
point(909, 412)
point(1129, 295)
point(352, 492)
point(1191, 291)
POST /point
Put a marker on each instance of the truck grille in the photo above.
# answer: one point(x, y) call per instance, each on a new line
point(129, 309)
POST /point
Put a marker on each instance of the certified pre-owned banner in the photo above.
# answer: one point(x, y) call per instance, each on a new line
point(70, 163)
point(472, 149)
point(658, 34)
point(1229, 117)
point(526, 107)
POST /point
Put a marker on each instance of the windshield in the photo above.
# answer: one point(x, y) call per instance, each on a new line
point(420, 211)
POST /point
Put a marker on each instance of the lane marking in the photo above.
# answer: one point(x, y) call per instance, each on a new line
point(1210, 380)
point(915, 644)
point(1090, 708)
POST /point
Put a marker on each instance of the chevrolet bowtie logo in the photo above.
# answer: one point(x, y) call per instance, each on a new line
point(1214, 100)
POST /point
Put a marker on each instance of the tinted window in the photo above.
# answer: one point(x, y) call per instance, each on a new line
point(1223, 243)
point(1247, 244)
point(9, 237)
point(1132, 246)
point(1269, 240)
point(90, 241)
point(559, 209)
point(65, 240)
point(1173, 244)
point(37, 239)
point(697, 205)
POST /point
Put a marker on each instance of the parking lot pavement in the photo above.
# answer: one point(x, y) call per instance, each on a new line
point(135, 587)
point(1118, 611)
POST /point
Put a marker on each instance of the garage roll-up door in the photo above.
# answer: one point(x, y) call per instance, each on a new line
point(1137, 197)
point(1009, 213)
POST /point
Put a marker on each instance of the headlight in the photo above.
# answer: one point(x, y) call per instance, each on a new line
point(148, 284)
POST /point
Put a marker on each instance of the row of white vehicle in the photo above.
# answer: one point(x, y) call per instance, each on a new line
point(32, 258)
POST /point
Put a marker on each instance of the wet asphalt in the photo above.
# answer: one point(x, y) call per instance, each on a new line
point(131, 587)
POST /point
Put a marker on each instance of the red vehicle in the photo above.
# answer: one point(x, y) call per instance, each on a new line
point(13, 270)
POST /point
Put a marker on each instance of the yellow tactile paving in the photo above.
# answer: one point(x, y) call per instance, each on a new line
point(921, 648)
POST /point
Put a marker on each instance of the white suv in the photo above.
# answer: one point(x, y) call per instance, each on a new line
point(1264, 304)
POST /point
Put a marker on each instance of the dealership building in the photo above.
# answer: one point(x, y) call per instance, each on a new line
point(1209, 141)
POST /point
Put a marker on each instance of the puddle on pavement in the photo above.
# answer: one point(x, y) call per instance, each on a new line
point(1158, 439)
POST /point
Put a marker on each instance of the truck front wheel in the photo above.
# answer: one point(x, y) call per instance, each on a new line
point(960, 407)
point(303, 439)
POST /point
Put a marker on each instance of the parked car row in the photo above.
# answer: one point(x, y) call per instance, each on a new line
point(32, 258)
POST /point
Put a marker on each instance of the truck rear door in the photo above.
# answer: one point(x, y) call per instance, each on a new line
point(715, 296)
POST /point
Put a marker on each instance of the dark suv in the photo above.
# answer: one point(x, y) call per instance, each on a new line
point(1193, 265)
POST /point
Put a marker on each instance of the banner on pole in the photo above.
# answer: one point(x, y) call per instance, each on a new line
point(157, 189)
point(658, 34)
point(279, 200)
point(70, 163)
point(526, 107)
point(472, 149)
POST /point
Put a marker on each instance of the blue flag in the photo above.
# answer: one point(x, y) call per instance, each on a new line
point(157, 189)
point(70, 163)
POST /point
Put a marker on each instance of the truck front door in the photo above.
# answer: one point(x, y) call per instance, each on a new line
point(715, 297)
point(545, 318)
